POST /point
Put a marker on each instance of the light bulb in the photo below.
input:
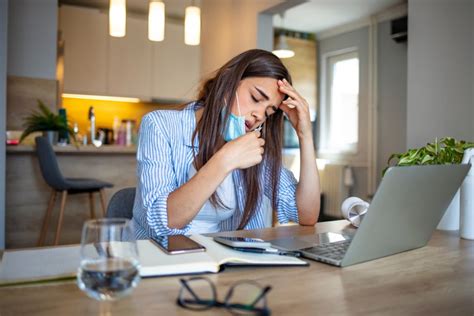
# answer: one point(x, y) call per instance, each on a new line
point(192, 26)
point(156, 21)
point(117, 18)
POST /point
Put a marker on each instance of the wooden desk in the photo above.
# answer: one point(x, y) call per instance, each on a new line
point(435, 280)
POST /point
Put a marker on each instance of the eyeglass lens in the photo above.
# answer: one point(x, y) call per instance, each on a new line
point(246, 298)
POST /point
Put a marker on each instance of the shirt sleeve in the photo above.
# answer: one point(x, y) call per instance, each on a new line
point(156, 177)
point(286, 195)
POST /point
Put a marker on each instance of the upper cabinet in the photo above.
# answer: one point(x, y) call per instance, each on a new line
point(84, 32)
point(177, 63)
point(129, 62)
point(131, 66)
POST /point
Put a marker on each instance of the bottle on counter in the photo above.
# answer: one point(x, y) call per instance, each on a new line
point(129, 126)
point(116, 128)
point(92, 124)
point(121, 135)
point(63, 135)
point(77, 136)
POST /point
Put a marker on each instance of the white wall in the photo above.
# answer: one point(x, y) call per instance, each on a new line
point(440, 101)
point(3, 112)
point(391, 96)
point(32, 34)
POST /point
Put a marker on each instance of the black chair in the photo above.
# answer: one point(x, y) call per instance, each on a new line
point(54, 178)
point(121, 204)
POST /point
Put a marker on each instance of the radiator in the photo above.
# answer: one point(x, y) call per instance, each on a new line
point(334, 189)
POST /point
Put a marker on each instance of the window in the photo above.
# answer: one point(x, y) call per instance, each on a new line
point(340, 107)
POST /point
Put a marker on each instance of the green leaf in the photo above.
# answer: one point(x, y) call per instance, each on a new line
point(426, 159)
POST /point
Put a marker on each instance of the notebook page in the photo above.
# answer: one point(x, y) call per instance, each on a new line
point(39, 264)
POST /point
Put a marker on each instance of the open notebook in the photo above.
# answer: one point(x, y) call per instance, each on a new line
point(18, 266)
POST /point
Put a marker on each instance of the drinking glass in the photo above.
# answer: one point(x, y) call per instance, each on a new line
point(109, 267)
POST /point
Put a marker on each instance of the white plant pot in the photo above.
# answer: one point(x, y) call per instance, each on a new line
point(52, 137)
point(450, 220)
point(466, 227)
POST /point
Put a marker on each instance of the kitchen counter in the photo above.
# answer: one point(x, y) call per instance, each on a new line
point(70, 149)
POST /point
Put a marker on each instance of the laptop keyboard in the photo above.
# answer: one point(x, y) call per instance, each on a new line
point(334, 250)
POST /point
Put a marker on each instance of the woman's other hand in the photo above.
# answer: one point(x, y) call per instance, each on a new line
point(297, 110)
point(243, 152)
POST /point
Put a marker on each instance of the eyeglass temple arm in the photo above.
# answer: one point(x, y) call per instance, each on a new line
point(262, 294)
point(185, 284)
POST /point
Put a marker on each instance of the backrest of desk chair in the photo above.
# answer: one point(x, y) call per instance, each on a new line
point(49, 164)
point(121, 204)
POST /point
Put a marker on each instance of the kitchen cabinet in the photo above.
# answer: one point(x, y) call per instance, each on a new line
point(175, 66)
point(129, 71)
point(132, 66)
point(85, 50)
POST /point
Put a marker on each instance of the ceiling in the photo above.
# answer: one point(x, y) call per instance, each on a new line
point(316, 16)
point(312, 16)
point(172, 7)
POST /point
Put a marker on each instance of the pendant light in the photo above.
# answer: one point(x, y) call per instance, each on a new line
point(192, 25)
point(282, 50)
point(156, 21)
point(117, 18)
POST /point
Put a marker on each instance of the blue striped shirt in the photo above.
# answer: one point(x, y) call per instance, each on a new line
point(165, 154)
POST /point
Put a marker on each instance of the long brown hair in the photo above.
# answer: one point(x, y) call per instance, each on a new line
point(218, 92)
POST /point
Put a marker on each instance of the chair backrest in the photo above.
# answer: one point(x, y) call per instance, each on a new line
point(49, 164)
point(121, 204)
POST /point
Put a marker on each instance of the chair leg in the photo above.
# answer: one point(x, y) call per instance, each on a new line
point(47, 216)
point(61, 215)
point(92, 205)
point(102, 201)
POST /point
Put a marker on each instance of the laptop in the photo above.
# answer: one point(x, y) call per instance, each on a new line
point(403, 214)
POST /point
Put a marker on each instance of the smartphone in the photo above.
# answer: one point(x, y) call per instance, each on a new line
point(243, 242)
point(177, 244)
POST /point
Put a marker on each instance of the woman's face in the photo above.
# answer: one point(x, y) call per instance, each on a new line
point(258, 98)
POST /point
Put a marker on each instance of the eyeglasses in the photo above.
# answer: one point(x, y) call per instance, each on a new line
point(243, 298)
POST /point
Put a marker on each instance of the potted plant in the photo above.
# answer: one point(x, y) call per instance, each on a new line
point(44, 120)
point(446, 151)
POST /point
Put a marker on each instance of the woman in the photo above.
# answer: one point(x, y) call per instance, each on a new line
point(214, 164)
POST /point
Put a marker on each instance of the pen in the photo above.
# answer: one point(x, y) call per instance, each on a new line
point(268, 251)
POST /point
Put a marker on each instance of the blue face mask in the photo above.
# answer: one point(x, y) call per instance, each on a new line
point(235, 126)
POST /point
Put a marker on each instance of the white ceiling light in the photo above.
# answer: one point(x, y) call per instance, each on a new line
point(117, 18)
point(281, 49)
point(156, 21)
point(192, 26)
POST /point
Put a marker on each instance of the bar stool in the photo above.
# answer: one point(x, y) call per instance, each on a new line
point(54, 178)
